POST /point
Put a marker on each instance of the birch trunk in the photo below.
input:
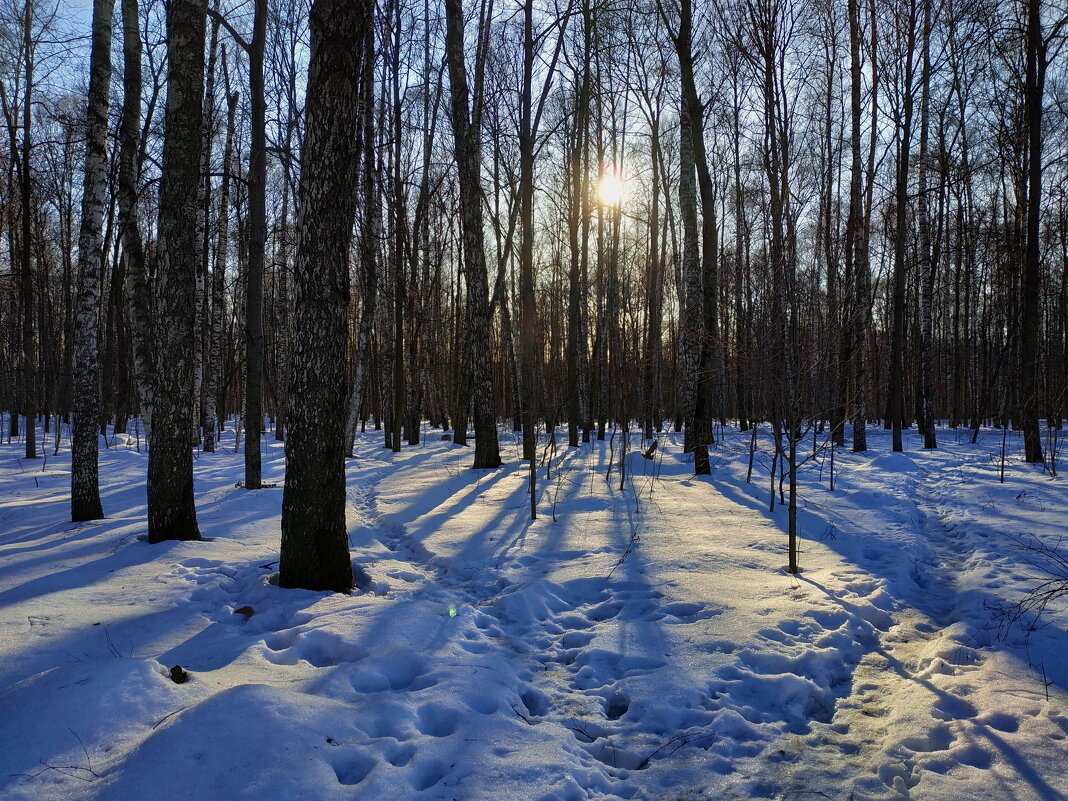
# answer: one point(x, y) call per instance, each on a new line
point(863, 265)
point(315, 553)
point(218, 279)
point(855, 330)
point(132, 245)
point(171, 509)
point(203, 217)
point(84, 484)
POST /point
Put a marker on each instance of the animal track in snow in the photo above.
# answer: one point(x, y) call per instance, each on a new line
point(352, 766)
point(576, 639)
point(616, 706)
point(404, 670)
point(684, 612)
point(399, 754)
point(950, 707)
point(537, 703)
point(435, 720)
point(940, 738)
point(426, 774)
point(318, 648)
point(388, 719)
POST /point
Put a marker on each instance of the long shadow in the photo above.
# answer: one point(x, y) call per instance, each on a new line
point(136, 636)
point(75, 533)
point(916, 584)
point(411, 456)
point(641, 646)
point(447, 498)
point(952, 706)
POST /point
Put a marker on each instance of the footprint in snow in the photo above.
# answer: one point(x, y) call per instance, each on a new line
point(352, 766)
point(426, 774)
point(435, 720)
point(950, 707)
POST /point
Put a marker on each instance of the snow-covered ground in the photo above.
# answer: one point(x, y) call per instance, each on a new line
point(634, 643)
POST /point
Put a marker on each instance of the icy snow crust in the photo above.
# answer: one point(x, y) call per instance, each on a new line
point(642, 643)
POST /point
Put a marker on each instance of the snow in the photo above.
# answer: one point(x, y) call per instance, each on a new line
point(643, 643)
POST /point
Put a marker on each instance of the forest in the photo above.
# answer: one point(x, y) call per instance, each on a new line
point(695, 371)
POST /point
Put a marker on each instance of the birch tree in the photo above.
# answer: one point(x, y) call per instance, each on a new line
point(314, 553)
point(132, 246)
point(171, 508)
point(84, 485)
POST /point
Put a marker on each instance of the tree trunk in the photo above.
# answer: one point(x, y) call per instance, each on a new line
point(315, 552)
point(856, 331)
point(897, 343)
point(1031, 317)
point(528, 347)
point(926, 262)
point(368, 247)
point(692, 322)
point(468, 160)
point(203, 301)
point(29, 373)
point(218, 277)
point(399, 244)
point(84, 484)
point(257, 241)
point(171, 509)
point(132, 247)
point(577, 245)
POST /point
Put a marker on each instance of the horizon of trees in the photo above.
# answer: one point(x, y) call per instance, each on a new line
point(577, 213)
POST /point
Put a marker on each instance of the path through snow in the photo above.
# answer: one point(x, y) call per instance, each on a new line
point(642, 643)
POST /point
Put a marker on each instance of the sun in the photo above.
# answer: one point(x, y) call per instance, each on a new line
point(610, 189)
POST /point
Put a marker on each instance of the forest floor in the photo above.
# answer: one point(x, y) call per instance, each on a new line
point(642, 642)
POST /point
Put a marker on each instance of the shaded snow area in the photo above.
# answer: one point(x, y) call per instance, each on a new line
point(634, 643)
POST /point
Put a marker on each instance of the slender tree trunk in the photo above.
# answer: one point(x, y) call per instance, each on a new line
point(468, 159)
point(257, 219)
point(856, 330)
point(654, 336)
point(218, 277)
point(1031, 318)
point(132, 247)
point(528, 347)
point(692, 322)
point(29, 372)
point(399, 244)
point(84, 485)
point(577, 222)
point(368, 246)
point(926, 262)
point(203, 301)
point(897, 344)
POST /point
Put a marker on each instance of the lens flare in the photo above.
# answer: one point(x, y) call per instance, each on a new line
point(610, 189)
